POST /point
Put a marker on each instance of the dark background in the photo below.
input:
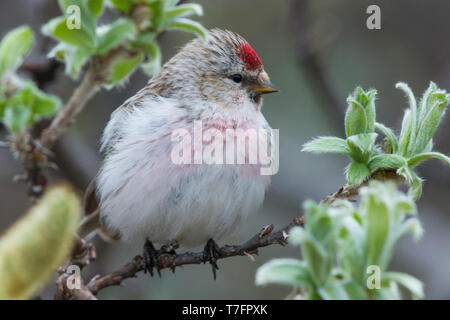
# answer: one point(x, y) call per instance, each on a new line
point(316, 52)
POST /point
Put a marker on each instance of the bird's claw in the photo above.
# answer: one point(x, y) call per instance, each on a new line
point(211, 253)
point(150, 258)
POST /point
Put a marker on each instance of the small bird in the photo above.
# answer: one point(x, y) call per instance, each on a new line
point(140, 193)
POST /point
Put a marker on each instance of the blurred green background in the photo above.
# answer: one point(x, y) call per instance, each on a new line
point(316, 51)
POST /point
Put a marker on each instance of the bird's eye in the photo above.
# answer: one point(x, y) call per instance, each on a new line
point(236, 77)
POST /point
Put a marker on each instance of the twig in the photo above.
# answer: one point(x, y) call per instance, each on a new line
point(83, 253)
point(171, 260)
point(64, 293)
point(95, 76)
point(34, 153)
point(349, 191)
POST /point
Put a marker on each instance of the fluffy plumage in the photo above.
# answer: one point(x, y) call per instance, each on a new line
point(141, 192)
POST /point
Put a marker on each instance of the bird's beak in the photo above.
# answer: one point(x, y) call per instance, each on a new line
point(264, 88)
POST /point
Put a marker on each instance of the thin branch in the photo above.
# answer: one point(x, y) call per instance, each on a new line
point(349, 191)
point(34, 153)
point(95, 76)
point(83, 253)
point(171, 260)
point(64, 293)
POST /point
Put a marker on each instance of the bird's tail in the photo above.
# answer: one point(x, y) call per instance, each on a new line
point(92, 224)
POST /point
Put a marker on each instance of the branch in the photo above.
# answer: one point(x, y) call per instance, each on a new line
point(349, 191)
point(171, 260)
point(94, 77)
point(34, 153)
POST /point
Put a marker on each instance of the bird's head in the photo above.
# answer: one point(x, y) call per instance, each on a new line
point(224, 70)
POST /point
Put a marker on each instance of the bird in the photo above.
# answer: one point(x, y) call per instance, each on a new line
point(139, 193)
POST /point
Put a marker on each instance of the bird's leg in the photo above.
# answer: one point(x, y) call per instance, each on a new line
point(150, 257)
point(211, 253)
point(170, 247)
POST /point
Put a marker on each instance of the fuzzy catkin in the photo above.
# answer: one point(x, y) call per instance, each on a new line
point(32, 249)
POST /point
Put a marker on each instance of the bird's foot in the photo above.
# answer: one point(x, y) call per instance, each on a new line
point(170, 247)
point(150, 257)
point(211, 253)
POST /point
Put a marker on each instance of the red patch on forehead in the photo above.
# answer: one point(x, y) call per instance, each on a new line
point(249, 57)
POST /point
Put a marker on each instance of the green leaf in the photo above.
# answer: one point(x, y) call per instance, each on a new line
point(114, 35)
point(44, 104)
point(123, 68)
point(170, 3)
point(284, 271)
point(405, 133)
point(13, 47)
point(157, 18)
point(377, 228)
point(123, 5)
point(2, 107)
point(411, 225)
point(333, 291)
point(413, 180)
point(96, 7)
point(189, 26)
point(389, 291)
point(343, 290)
point(357, 172)
point(367, 100)
point(327, 144)
point(57, 28)
point(354, 291)
point(350, 253)
point(86, 18)
point(424, 102)
point(390, 135)
point(28, 105)
point(419, 158)
point(386, 161)
point(429, 147)
point(411, 283)
point(362, 146)
point(183, 10)
point(16, 118)
point(360, 115)
point(75, 60)
point(355, 118)
point(59, 51)
point(414, 117)
point(431, 120)
point(319, 264)
point(154, 65)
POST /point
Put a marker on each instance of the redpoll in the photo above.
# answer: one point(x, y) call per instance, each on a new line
point(142, 190)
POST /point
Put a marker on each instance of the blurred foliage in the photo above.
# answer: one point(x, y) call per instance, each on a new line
point(402, 153)
point(21, 102)
point(35, 246)
point(341, 244)
point(134, 32)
